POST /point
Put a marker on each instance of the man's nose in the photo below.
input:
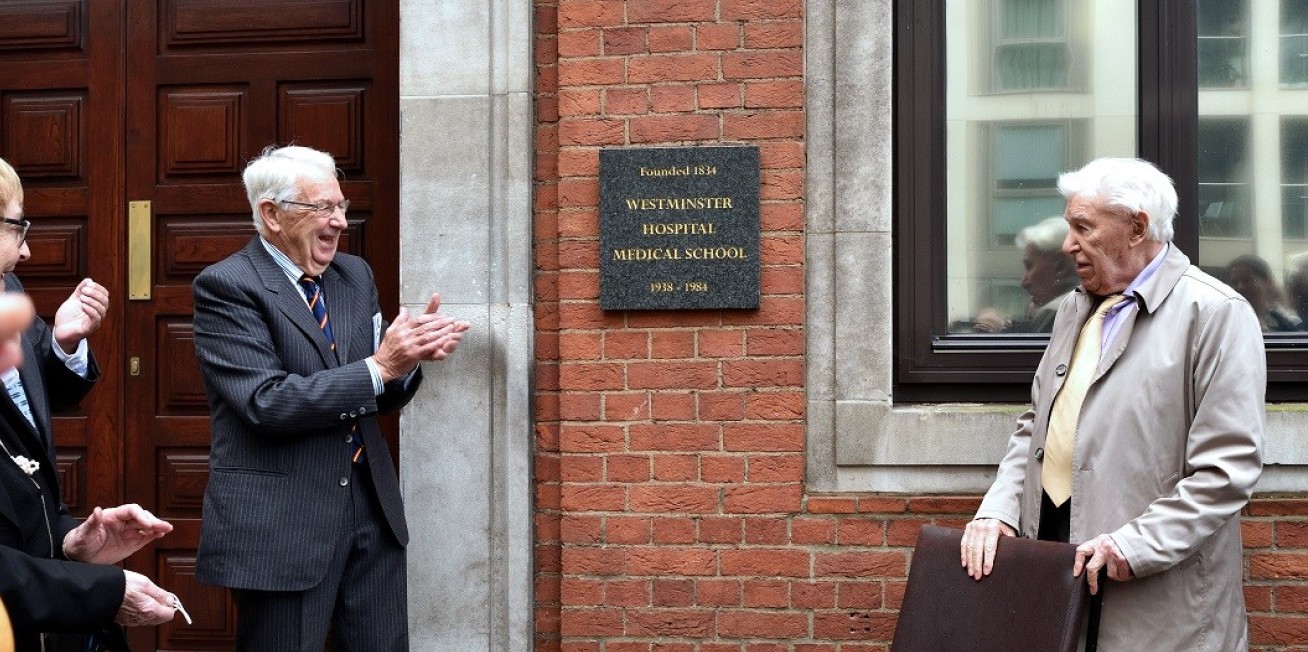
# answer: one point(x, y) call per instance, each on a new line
point(23, 252)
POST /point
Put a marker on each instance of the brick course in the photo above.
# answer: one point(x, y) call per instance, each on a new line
point(671, 514)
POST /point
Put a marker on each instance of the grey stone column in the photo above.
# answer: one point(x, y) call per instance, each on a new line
point(465, 231)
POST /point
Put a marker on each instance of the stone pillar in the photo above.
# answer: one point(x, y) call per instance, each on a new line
point(465, 231)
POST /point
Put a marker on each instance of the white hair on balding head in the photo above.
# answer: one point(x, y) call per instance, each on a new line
point(1046, 235)
point(276, 173)
point(1127, 184)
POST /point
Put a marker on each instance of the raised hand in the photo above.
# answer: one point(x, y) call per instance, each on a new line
point(80, 314)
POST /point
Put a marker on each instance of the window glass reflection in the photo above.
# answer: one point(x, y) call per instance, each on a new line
point(1034, 88)
point(1253, 158)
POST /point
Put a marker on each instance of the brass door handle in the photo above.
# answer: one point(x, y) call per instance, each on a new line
point(139, 227)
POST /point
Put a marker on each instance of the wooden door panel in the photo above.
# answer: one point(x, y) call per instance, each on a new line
point(60, 126)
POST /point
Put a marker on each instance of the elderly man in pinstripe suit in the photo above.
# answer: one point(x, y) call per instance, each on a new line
point(302, 514)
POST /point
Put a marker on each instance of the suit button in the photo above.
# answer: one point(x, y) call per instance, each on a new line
point(1060, 369)
point(363, 410)
point(349, 439)
point(1040, 454)
point(344, 416)
point(344, 481)
point(354, 414)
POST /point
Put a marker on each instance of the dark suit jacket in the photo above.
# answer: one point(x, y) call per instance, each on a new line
point(42, 590)
point(282, 404)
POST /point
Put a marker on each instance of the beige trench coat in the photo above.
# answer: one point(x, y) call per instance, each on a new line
point(1168, 449)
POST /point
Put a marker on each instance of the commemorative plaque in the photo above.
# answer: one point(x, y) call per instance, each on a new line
point(679, 228)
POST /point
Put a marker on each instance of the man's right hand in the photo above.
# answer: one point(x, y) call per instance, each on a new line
point(144, 604)
point(980, 540)
point(411, 339)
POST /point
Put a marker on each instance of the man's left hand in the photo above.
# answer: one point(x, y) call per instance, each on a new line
point(1101, 552)
point(80, 314)
point(108, 536)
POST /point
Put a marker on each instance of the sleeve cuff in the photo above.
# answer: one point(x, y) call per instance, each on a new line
point(77, 361)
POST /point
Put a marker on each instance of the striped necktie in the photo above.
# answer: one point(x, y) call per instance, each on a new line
point(318, 304)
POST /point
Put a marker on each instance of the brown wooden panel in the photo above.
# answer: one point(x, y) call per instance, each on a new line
point(329, 118)
point(28, 26)
point(201, 131)
point(215, 618)
point(192, 243)
point(259, 22)
point(43, 133)
point(57, 248)
point(183, 474)
point(70, 463)
point(180, 385)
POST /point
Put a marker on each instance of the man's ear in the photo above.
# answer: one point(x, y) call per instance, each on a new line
point(1139, 227)
point(268, 213)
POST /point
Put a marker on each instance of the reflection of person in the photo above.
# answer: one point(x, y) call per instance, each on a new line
point(302, 514)
point(55, 574)
point(1143, 454)
point(1048, 273)
point(1252, 277)
point(1296, 283)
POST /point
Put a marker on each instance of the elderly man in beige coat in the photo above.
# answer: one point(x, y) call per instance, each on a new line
point(1145, 453)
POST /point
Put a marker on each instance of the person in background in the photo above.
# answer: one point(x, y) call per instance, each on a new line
point(1252, 277)
point(1144, 440)
point(56, 575)
point(1296, 284)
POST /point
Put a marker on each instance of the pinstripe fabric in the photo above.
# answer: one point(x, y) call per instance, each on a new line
point(281, 401)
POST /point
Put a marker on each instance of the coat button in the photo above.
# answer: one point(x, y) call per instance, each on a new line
point(363, 410)
point(344, 416)
point(354, 414)
point(1060, 369)
point(1040, 454)
point(344, 481)
point(349, 439)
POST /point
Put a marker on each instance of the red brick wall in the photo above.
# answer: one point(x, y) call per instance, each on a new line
point(671, 513)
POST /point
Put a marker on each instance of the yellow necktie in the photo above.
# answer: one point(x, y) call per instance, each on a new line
point(1060, 439)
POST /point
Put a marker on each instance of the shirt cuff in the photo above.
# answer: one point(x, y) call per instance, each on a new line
point(77, 361)
point(378, 387)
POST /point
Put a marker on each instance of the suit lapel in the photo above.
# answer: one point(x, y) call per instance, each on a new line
point(288, 299)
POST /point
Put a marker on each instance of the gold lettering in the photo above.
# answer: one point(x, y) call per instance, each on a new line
point(679, 203)
point(683, 228)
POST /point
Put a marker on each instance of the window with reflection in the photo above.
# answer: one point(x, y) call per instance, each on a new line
point(1213, 91)
point(1049, 85)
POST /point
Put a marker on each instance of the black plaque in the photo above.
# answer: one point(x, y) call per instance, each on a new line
point(679, 228)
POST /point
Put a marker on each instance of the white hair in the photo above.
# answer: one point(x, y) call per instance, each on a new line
point(276, 173)
point(1046, 235)
point(1127, 184)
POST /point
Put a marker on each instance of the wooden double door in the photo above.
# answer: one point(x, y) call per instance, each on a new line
point(111, 103)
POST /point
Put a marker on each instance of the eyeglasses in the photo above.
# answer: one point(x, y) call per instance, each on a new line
point(23, 226)
point(320, 208)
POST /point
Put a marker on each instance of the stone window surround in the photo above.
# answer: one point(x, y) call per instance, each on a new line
point(858, 439)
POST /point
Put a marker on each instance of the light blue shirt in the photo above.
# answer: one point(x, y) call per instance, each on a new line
point(1117, 314)
point(293, 274)
point(77, 362)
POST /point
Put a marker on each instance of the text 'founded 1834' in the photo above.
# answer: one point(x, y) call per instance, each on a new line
point(679, 228)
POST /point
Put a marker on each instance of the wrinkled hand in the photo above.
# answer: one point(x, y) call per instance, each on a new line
point(108, 536)
point(411, 339)
point(980, 540)
point(144, 604)
point(80, 314)
point(1101, 552)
